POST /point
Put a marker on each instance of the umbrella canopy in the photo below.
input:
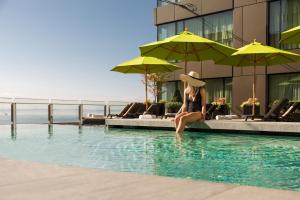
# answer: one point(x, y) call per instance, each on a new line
point(259, 55)
point(186, 47)
point(145, 65)
point(291, 36)
point(256, 54)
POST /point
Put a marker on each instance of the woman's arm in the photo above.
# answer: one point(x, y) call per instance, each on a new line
point(203, 101)
point(183, 107)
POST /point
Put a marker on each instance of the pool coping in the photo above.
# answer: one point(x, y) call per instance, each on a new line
point(29, 181)
point(237, 126)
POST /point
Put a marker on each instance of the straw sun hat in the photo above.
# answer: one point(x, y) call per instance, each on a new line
point(193, 78)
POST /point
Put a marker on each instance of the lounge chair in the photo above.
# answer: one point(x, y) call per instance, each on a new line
point(156, 109)
point(210, 108)
point(123, 111)
point(290, 114)
point(135, 110)
point(274, 113)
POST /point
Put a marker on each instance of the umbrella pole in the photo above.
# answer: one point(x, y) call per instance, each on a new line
point(254, 90)
point(185, 72)
point(146, 83)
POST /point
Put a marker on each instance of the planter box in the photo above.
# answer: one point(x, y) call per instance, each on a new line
point(161, 109)
point(247, 110)
point(222, 110)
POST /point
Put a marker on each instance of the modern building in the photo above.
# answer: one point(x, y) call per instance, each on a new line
point(234, 23)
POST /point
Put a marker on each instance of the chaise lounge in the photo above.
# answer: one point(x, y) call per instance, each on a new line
point(135, 110)
point(123, 111)
point(275, 112)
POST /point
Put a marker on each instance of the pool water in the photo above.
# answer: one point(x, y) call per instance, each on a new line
point(255, 160)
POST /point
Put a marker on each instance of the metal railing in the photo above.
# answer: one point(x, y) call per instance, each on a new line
point(51, 103)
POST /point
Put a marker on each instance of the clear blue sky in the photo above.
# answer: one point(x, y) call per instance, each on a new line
point(66, 48)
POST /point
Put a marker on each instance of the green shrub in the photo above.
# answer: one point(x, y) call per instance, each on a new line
point(173, 106)
point(162, 101)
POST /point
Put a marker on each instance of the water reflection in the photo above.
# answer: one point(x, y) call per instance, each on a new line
point(80, 129)
point(13, 131)
point(50, 131)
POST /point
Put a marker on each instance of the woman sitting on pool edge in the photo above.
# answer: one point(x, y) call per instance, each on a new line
point(194, 106)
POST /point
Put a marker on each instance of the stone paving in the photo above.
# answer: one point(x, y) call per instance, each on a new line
point(23, 180)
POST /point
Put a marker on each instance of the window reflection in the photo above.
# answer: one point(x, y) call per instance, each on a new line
point(284, 15)
point(217, 27)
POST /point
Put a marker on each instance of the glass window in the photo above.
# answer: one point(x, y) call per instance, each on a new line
point(195, 25)
point(218, 27)
point(169, 88)
point(284, 85)
point(219, 88)
point(180, 27)
point(274, 27)
point(228, 90)
point(215, 88)
point(284, 15)
point(166, 30)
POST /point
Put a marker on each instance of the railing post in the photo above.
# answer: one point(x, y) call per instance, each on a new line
point(50, 113)
point(105, 111)
point(13, 108)
point(80, 113)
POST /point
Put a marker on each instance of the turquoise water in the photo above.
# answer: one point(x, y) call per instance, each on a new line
point(264, 161)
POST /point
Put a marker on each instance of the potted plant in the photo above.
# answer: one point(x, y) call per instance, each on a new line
point(162, 107)
point(247, 107)
point(221, 109)
point(173, 107)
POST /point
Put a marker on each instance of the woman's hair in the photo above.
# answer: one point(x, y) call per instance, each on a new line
point(192, 90)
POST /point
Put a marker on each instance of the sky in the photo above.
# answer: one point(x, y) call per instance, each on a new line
point(66, 48)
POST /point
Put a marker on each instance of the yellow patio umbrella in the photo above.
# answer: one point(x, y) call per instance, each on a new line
point(145, 65)
point(256, 54)
point(186, 47)
point(291, 36)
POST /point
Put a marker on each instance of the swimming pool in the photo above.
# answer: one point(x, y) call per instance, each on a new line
point(264, 161)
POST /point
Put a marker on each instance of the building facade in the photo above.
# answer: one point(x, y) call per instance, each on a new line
point(234, 23)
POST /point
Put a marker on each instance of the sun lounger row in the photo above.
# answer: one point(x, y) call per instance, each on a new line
point(282, 111)
point(134, 110)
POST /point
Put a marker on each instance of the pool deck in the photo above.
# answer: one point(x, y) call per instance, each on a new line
point(33, 181)
point(238, 125)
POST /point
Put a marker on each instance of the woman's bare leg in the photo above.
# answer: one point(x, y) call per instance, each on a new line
point(188, 118)
point(177, 118)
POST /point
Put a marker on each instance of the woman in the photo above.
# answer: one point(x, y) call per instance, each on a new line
point(194, 105)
